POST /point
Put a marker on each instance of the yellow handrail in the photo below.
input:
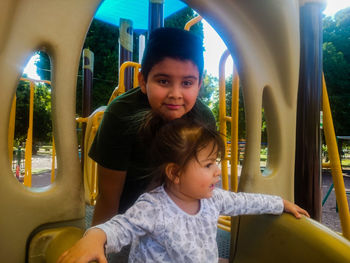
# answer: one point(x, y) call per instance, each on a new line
point(234, 130)
point(223, 117)
point(334, 159)
point(225, 222)
point(53, 160)
point(11, 131)
point(121, 83)
point(29, 141)
point(192, 22)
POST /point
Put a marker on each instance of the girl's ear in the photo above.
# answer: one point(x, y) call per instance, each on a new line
point(142, 82)
point(172, 172)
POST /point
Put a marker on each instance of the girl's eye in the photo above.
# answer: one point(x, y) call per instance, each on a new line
point(208, 165)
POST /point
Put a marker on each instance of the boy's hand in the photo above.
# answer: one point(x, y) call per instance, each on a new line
point(294, 209)
point(88, 248)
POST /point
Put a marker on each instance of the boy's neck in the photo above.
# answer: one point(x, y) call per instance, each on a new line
point(185, 203)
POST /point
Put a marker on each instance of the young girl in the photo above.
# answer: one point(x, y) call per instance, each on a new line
point(177, 221)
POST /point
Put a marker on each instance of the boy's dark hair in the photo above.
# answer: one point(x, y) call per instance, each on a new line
point(172, 43)
point(178, 141)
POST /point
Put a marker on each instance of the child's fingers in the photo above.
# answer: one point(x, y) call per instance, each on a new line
point(302, 211)
point(294, 209)
point(295, 213)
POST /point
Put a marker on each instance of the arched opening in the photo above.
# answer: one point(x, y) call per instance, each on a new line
point(33, 159)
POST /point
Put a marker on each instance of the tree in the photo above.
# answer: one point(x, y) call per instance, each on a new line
point(42, 125)
point(43, 65)
point(336, 67)
point(102, 40)
point(209, 85)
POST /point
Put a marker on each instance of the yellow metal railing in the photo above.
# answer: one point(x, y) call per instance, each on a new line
point(223, 118)
point(192, 22)
point(231, 155)
point(233, 120)
point(11, 131)
point(335, 165)
point(53, 160)
point(121, 83)
point(29, 141)
point(90, 167)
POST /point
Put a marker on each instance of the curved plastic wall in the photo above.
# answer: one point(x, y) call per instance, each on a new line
point(59, 28)
point(263, 37)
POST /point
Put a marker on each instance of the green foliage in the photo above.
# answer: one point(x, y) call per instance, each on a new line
point(209, 85)
point(102, 40)
point(241, 112)
point(43, 65)
point(42, 125)
point(336, 67)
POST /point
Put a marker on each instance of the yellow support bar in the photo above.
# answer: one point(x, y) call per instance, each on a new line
point(36, 80)
point(226, 228)
point(53, 160)
point(121, 81)
point(192, 22)
point(234, 131)
point(29, 141)
point(81, 120)
point(225, 222)
point(337, 174)
point(222, 116)
point(11, 131)
point(121, 86)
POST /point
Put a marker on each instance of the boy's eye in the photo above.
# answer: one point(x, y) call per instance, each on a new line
point(163, 81)
point(187, 83)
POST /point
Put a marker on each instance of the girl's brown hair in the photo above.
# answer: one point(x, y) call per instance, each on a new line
point(178, 141)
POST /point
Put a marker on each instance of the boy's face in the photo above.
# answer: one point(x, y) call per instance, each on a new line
point(172, 87)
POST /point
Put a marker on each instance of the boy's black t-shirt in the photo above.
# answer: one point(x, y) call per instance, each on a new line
point(117, 145)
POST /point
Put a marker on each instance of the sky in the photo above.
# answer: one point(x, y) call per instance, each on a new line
point(213, 44)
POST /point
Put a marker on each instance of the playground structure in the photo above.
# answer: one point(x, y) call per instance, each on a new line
point(269, 79)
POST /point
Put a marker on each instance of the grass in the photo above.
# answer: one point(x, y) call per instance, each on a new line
point(345, 162)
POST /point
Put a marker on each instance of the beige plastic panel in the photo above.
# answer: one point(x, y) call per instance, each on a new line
point(263, 36)
point(59, 27)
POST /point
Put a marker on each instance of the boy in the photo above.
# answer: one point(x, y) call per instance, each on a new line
point(170, 79)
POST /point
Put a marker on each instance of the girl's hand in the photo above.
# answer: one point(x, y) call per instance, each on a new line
point(294, 209)
point(88, 248)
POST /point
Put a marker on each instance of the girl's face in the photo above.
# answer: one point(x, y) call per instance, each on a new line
point(172, 87)
point(198, 178)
